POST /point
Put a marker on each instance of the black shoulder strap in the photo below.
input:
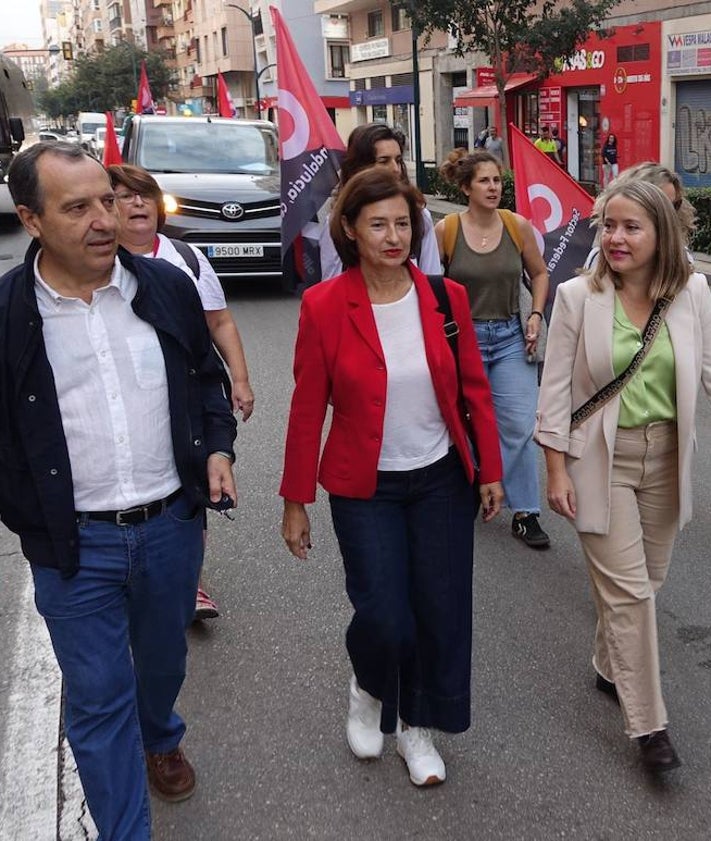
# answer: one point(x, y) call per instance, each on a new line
point(188, 255)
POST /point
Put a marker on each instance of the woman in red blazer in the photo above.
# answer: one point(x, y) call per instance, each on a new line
point(398, 467)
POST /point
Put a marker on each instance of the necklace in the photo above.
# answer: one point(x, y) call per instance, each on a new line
point(485, 234)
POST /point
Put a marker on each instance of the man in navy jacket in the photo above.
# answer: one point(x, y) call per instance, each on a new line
point(115, 434)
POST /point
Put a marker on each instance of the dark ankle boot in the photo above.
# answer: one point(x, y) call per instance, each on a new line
point(658, 754)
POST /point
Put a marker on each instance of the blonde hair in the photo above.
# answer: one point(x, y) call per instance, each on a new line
point(654, 173)
point(672, 268)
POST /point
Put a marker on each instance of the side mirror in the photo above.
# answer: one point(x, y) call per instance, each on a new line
point(17, 130)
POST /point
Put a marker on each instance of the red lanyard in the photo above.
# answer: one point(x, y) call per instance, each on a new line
point(156, 245)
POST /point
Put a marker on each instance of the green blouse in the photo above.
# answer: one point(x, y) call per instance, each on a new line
point(651, 393)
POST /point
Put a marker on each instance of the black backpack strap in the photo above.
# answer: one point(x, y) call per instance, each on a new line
point(190, 257)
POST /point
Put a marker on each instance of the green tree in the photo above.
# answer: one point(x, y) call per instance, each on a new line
point(106, 81)
point(516, 35)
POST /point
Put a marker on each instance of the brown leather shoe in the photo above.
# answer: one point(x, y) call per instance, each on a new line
point(170, 775)
point(658, 754)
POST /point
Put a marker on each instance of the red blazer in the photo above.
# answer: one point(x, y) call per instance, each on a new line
point(339, 357)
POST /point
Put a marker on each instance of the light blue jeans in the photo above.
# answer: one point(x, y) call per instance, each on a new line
point(514, 386)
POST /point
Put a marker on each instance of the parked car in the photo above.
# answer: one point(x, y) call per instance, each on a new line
point(220, 179)
point(96, 144)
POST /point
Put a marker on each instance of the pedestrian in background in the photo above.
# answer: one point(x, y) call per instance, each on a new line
point(545, 143)
point(486, 256)
point(560, 145)
point(494, 145)
point(116, 434)
point(610, 164)
point(141, 211)
point(376, 144)
point(629, 344)
point(398, 467)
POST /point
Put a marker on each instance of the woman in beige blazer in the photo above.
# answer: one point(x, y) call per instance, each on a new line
point(623, 477)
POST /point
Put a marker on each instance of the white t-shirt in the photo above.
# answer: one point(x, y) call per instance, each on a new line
point(208, 286)
point(414, 432)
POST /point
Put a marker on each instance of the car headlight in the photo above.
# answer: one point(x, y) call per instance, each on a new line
point(170, 204)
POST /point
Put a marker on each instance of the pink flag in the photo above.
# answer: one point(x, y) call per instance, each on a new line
point(311, 151)
point(557, 207)
point(145, 104)
point(225, 106)
point(112, 153)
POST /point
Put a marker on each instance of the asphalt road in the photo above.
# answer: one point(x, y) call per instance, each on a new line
point(265, 697)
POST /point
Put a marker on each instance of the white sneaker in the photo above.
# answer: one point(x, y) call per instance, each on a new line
point(423, 761)
point(363, 726)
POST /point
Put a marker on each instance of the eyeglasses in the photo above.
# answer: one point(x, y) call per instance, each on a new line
point(129, 198)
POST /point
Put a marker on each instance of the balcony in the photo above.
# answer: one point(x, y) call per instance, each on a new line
point(165, 28)
point(343, 7)
point(115, 23)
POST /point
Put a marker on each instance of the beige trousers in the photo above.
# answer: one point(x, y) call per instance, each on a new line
point(629, 564)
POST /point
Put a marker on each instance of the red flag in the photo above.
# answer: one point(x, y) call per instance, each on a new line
point(112, 153)
point(557, 207)
point(311, 151)
point(145, 104)
point(225, 106)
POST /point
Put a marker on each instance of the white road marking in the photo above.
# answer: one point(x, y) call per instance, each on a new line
point(39, 787)
point(28, 757)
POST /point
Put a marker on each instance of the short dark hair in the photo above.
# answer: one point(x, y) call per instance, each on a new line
point(367, 187)
point(140, 181)
point(22, 178)
point(360, 153)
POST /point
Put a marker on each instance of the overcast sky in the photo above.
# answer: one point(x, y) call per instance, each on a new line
point(20, 23)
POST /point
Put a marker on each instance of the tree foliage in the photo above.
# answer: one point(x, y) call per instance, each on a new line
point(106, 81)
point(516, 35)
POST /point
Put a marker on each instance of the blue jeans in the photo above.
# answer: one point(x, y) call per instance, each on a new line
point(514, 386)
point(407, 553)
point(118, 632)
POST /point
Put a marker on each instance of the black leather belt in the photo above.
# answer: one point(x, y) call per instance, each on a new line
point(133, 516)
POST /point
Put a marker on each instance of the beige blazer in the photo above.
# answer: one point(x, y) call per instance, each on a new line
point(579, 363)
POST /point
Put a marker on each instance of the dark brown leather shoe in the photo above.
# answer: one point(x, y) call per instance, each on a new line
point(170, 775)
point(658, 754)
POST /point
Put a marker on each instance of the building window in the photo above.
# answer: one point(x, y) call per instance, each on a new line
point(97, 5)
point(402, 79)
point(358, 84)
point(635, 52)
point(224, 40)
point(380, 113)
point(338, 57)
point(377, 82)
point(375, 24)
point(257, 25)
point(400, 17)
point(205, 53)
point(97, 25)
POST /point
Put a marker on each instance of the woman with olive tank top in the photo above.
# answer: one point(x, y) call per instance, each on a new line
point(486, 260)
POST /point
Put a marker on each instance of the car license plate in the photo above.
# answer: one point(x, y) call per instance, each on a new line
point(235, 250)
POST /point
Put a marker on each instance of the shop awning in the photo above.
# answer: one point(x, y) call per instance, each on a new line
point(487, 94)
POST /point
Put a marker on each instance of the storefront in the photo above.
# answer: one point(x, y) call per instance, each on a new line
point(686, 99)
point(610, 86)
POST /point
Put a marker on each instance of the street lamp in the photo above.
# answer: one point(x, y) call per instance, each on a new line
point(250, 17)
point(419, 168)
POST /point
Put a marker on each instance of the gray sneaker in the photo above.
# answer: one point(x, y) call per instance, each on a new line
point(527, 528)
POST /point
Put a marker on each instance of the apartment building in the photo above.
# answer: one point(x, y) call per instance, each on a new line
point(649, 83)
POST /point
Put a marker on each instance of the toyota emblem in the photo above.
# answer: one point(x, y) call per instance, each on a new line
point(232, 210)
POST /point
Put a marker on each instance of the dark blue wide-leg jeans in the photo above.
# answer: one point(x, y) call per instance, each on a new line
point(118, 631)
point(407, 553)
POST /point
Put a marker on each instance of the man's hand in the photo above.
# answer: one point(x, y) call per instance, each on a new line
point(220, 479)
point(242, 398)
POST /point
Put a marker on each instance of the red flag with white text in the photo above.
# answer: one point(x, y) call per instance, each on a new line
point(311, 152)
point(557, 207)
point(112, 153)
point(144, 100)
point(225, 106)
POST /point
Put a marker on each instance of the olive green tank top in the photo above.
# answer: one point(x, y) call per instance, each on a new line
point(492, 280)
